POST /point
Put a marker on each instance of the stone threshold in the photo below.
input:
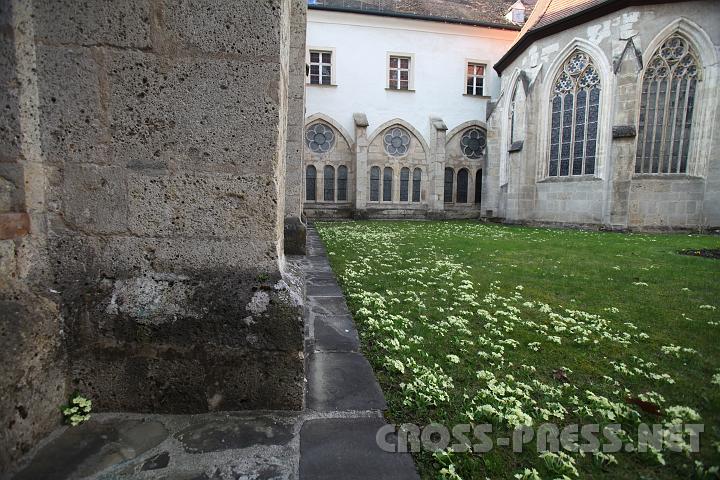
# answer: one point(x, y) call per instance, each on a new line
point(332, 438)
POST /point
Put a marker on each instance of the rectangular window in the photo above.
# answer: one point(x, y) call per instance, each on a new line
point(320, 67)
point(399, 73)
point(475, 79)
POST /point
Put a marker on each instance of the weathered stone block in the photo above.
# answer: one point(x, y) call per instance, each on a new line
point(32, 385)
point(99, 22)
point(195, 114)
point(9, 120)
point(95, 198)
point(202, 206)
point(70, 105)
point(243, 27)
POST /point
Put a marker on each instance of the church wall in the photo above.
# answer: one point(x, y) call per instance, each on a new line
point(615, 196)
point(146, 157)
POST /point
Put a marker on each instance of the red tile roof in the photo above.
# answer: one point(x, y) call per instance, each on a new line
point(473, 12)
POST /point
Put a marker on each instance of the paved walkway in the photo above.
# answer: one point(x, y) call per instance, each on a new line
point(333, 438)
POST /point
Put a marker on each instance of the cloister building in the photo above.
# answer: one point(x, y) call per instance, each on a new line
point(596, 112)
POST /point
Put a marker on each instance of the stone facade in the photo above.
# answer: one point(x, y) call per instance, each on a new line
point(415, 187)
point(143, 198)
point(621, 45)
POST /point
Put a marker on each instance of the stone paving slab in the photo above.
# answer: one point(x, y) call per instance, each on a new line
point(346, 448)
point(335, 333)
point(327, 306)
point(342, 381)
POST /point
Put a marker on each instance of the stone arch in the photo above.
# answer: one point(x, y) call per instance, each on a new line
point(315, 117)
point(464, 126)
point(706, 101)
point(402, 123)
point(607, 87)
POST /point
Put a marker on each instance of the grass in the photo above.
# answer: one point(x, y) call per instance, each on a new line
point(466, 322)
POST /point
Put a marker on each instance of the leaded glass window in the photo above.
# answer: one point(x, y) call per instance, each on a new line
point(449, 178)
point(478, 186)
point(397, 141)
point(473, 143)
point(375, 184)
point(342, 183)
point(319, 138)
point(387, 184)
point(574, 117)
point(329, 183)
point(666, 108)
point(310, 183)
point(417, 178)
point(404, 184)
point(462, 186)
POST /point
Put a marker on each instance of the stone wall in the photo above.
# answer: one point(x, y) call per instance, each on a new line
point(142, 190)
point(620, 44)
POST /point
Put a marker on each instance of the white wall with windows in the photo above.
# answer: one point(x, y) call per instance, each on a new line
point(429, 63)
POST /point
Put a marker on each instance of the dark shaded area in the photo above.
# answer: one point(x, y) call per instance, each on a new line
point(703, 252)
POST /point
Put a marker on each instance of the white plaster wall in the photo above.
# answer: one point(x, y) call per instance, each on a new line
point(440, 50)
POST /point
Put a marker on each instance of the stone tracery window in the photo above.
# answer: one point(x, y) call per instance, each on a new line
point(319, 138)
point(342, 179)
point(404, 184)
point(461, 196)
point(375, 184)
point(417, 178)
point(310, 182)
point(329, 183)
point(574, 118)
point(666, 108)
point(396, 141)
point(473, 143)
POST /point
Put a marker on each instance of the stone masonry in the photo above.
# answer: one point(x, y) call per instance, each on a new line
point(143, 200)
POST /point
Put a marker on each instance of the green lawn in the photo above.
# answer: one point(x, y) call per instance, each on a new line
point(467, 322)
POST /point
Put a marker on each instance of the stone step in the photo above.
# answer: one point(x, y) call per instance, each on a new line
point(346, 448)
point(341, 381)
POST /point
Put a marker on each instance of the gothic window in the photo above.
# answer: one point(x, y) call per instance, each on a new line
point(404, 184)
point(473, 143)
point(666, 108)
point(449, 177)
point(319, 138)
point(387, 184)
point(329, 183)
point(310, 183)
point(462, 186)
point(478, 186)
point(342, 183)
point(397, 141)
point(574, 118)
point(417, 178)
point(375, 184)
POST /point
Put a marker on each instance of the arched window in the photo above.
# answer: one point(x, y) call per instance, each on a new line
point(462, 186)
point(449, 177)
point(574, 118)
point(666, 108)
point(310, 183)
point(478, 187)
point(417, 178)
point(375, 184)
point(404, 184)
point(387, 184)
point(329, 183)
point(342, 183)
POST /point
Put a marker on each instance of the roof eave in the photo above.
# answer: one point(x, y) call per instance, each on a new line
point(575, 19)
point(410, 16)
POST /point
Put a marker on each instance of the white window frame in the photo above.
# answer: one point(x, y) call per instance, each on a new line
point(484, 76)
point(333, 57)
point(410, 70)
